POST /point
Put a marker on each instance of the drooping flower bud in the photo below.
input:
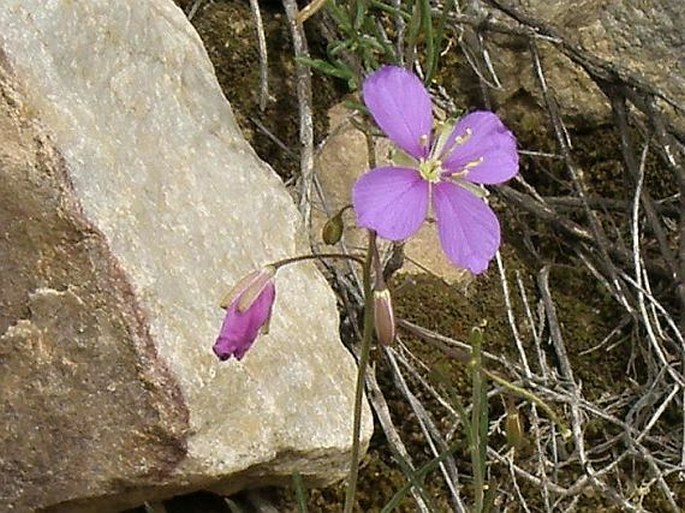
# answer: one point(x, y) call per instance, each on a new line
point(332, 231)
point(384, 317)
point(248, 288)
point(248, 311)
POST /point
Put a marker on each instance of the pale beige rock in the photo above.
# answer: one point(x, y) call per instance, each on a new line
point(342, 159)
point(130, 203)
point(645, 39)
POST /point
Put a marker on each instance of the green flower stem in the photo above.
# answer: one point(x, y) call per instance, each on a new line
point(479, 420)
point(363, 361)
point(300, 258)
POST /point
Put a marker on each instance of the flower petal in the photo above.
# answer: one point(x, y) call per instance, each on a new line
point(468, 228)
point(400, 104)
point(391, 200)
point(485, 137)
point(240, 329)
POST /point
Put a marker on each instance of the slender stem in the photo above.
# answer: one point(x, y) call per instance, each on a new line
point(478, 462)
point(300, 258)
point(379, 280)
point(363, 360)
point(525, 394)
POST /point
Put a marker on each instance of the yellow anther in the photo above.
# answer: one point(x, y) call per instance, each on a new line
point(423, 140)
point(461, 139)
point(473, 163)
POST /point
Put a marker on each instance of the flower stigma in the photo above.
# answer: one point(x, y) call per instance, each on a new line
point(431, 170)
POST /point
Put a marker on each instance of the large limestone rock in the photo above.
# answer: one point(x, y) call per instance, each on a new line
point(129, 203)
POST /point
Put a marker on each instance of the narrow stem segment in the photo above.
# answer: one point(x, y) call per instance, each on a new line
point(479, 420)
point(363, 361)
point(529, 396)
point(300, 258)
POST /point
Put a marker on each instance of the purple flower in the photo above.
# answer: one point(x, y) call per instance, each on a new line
point(248, 310)
point(445, 170)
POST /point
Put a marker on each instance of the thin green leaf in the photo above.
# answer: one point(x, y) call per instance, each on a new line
point(233, 506)
point(478, 419)
point(340, 16)
point(337, 47)
point(439, 36)
point(391, 9)
point(360, 10)
point(427, 32)
point(420, 474)
point(355, 105)
point(338, 70)
point(300, 492)
point(389, 54)
point(413, 31)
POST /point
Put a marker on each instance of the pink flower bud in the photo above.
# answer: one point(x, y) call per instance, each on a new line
point(384, 318)
point(248, 311)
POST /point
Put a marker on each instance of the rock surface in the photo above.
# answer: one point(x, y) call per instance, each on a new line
point(129, 204)
point(645, 39)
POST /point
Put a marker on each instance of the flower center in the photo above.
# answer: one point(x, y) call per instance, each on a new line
point(431, 170)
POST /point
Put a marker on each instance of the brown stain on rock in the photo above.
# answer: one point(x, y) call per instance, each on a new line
point(85, 401)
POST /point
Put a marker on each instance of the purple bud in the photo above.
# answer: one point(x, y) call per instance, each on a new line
point(248, 311)
point(384, 318)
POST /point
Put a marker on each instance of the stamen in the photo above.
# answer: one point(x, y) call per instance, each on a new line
point(461, 139)
point(463, 173)
point(458, 141)
point(473, 163)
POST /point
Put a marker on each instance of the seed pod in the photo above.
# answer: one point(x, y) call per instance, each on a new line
point(513, 426)
point(332, 231)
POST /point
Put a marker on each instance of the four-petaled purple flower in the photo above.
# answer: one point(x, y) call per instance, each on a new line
point(394, 201)
point(248, 310)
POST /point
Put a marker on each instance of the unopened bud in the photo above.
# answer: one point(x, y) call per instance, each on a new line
point(384, 318)
point(248, 310)
point(332, 231)
point(249, 288)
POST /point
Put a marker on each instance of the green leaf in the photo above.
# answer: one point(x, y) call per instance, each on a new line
point(300, 492)
point(233, 506)
point(338, 69)
point(427, 30)
point(439, 36)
